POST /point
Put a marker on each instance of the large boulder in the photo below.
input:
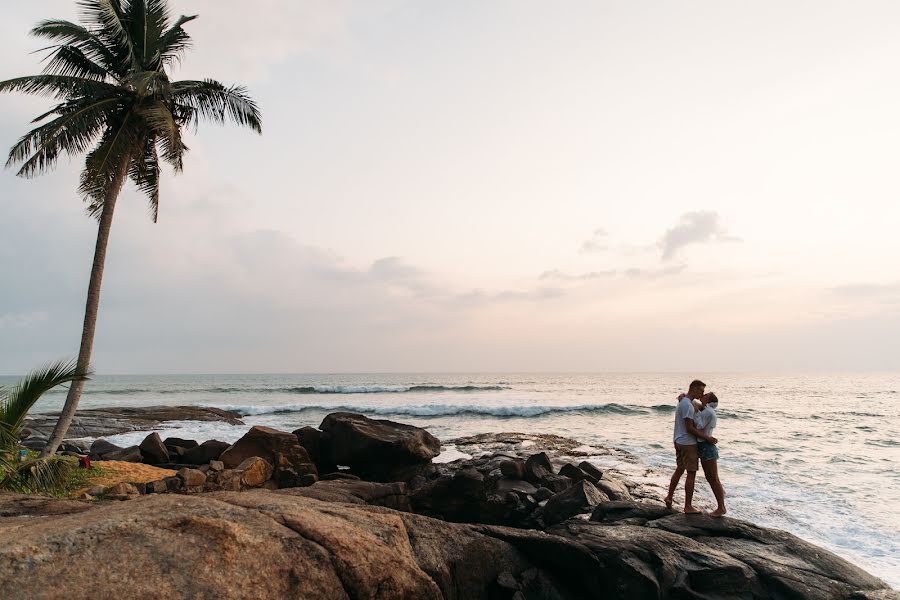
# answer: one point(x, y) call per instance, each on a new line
point(257, 545)
point(153, 451)
point(366, 444)
point(581, 498)
point(787, 566)
point(204, 453)
point(101, 447)
point(130, 454)
point(280, 449)
point(326, 541)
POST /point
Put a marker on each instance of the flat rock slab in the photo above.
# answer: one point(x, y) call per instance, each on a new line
point(98, 422)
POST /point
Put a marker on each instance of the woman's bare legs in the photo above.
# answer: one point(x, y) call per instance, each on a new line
point(711, 471)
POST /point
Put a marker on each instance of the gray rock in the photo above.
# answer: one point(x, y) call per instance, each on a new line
point(575, 473)
point(595, 473)
point(204, 453)
point(99, 422)
point(519, 486)
point(582, 497)
point(514, 469)
point(370, 445)
point(538, 467)
point(615, 489)
point(100, 447)
point(542, 494)
point(614, 511)
point(130, 454)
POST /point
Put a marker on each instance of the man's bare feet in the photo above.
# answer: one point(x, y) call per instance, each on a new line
point(718, 513)
point(690, 510)
point(668, 501)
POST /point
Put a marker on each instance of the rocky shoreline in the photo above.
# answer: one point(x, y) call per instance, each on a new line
point(98, 422)
point(357, 509)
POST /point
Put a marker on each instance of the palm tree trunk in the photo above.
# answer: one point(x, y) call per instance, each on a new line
point(90, 312)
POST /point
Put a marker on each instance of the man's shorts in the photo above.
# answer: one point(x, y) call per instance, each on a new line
point(686, 457)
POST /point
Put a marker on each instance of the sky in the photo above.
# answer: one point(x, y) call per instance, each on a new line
point(504, 185)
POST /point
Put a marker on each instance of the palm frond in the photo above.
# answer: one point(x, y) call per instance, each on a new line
point(211, 100)
point(167, 131)
point(174, 41)
point(26, 393)
point(72, 133)
point(104, 164)
point(70, 61)
point(112, 29)
point(147, 20)
point(61, 87)
point(76, 36)
point(144, 172)
point(35, 476)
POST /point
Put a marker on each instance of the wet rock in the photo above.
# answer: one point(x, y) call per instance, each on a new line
point(153, 451)
point(514, 469)
point(538, 467)
point(519, 486)
point(575, 473)
point(557, 483)
point(582, 497)
point(787, 566)
point(542, 494)
point(595, 473)
point(634, 512)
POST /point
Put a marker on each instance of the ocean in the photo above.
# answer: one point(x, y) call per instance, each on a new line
point(815, 455)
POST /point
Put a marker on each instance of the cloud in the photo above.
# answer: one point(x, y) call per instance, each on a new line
point(597, 242)
point(562, 276)
point(22, 319)
point(651, 274)
point(694, 228)
point(867, 290)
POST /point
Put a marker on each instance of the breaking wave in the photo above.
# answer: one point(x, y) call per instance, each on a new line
point(445, 410)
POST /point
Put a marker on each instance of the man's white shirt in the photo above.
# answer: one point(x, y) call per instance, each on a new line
point(684, 411)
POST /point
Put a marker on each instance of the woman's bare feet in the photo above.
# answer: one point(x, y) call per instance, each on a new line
point(690, 510)
point(718, 513)
point(668, 501)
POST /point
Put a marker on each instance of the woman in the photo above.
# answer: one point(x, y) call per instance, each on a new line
point(705, 419)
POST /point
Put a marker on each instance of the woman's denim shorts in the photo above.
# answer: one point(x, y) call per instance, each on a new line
point(707, 451)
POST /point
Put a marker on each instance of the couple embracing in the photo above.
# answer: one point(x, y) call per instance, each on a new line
point(695, 420)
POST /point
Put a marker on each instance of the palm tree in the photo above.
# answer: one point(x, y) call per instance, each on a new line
point(31, 475)
point(117, 104)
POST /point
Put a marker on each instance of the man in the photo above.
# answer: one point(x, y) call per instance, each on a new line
point(685, 439)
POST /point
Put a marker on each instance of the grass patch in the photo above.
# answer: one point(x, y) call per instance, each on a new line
point(78, 480)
